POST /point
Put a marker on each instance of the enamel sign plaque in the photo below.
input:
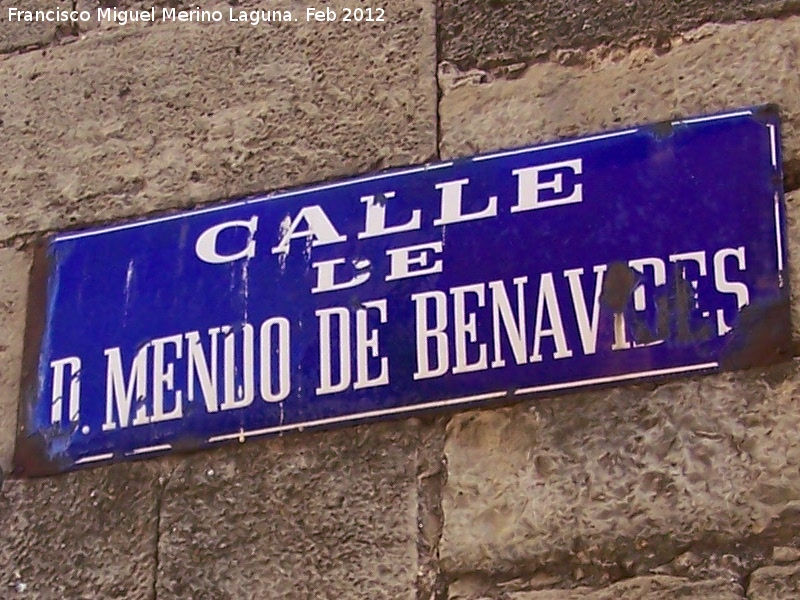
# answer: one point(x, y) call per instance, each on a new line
point(646, 253)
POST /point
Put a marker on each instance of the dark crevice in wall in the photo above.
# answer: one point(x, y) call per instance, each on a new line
point(471, 43)
point(791, 174)
point(431, 477)
point(745, 582)
point(157, 542)
point(437, 60)
point(791, 8)
point(162, 488)
point(17, 50)
point(72, 29)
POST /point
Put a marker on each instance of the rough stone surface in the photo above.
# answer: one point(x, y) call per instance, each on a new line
point(785, 554)
point(14, 267)
point(134, 120)
point(484, 34)
point(638, 588)
point(793, 233)
point(432, 472)
point(132, 5)
point(20, 35)
point(715, 561)
point(775, 583)
point(620, 481)
point(85, 535)
point(644, 588)
point(715, 68)
point(330, 515)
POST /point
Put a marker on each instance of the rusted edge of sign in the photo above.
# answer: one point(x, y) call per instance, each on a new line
point(31, 458)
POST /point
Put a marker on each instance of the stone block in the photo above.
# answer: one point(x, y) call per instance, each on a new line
point(17, 35)
point(485, 34)
point(620, 481)
point(657, 587)
point(84, 535)
point(14, 268)
point(775, 583)
point(793, 233)
point(785, 554)
point(645, 588)
point(328, 515)
point(129, 121)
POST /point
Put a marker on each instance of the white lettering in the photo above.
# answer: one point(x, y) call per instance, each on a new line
point(659, 278)
point(515, 330)
point(206, 246)
point(267, 349)
point(326, 275)
point(620, 333)
point(367, 345)
point(530, 184)
point(436, 334)
point(402, 259)
point(319, 229)
point(121, 396)
point(586, 327)
point(549, 302)
point(451, 204)
point(164, 379)
point(238, 394)
point(725, 286)
point(326, 384)
point(465, 326)
point(198, 368)
point(375, 218)
point(59, 373)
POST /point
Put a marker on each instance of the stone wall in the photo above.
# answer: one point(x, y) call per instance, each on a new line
point(689, 489)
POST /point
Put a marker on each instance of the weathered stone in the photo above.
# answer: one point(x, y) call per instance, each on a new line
point(330, 515)
point(469, 587)
point(645, 588)
point(128, 121)
point(775, 583)
point(735, 65)
point(431, 476)
point(716, 563)
point(484, 34)
point(14, 267)
point(731, 66)
point(22, 35)
point(128, 14)
point(84, 535)
point(625, 477)
point(637, 588)
point(793, 233)
point(475, 586)
point(785, 554)
point(126, 7)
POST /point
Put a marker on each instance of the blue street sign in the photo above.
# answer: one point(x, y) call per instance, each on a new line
point(644, 253)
